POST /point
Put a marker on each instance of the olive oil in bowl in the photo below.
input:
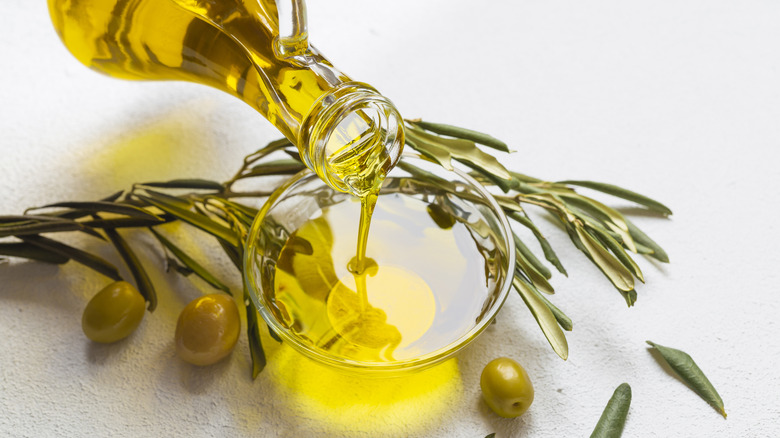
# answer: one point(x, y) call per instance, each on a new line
point(437, 267)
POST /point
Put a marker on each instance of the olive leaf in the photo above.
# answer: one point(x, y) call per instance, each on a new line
point(172, 263)
point(524, 178)
point(443, 150)
point(622, 193)
point(277, 167)
point(142, 281)
point(611, 218)
point(641, 238)
point(544, 317)
point(253, 334)
point(114, 196)
point(563, 320)
point(294, 154)
point(490, 435)
point(40, 227)
point(125, 222)
point(618, 251)
point(89, 260)
point(630, 296)
point(265, 151)
point(234, 254)
point(613, 418)
point(102, 206)
point(181, 202)
point(691, 374)
point(530, 257)
point(195, 183)
point(536, 278)
point(12, 220)
point(274, 335)
point(191, 264)
point(32, 252)
point(463, 133)
point(432, 152)
point(609, 265)
point(243, 209)
point(549, 253)
point(194, 219)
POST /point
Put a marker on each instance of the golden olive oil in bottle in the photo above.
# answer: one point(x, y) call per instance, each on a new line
point(347, 132)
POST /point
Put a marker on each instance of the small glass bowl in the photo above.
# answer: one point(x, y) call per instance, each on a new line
point(462, 198)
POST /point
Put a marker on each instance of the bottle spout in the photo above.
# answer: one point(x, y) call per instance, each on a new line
point(293, 38)
point(352, 138)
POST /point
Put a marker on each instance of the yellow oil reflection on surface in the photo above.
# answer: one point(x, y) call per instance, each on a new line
point(348, 403)
point(148, 153)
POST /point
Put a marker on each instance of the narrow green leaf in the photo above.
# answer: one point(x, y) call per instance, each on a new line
point(253, 334)
point(524, 178)
point(244, 209)
point(194, 219)
point(622, 193)
point(89, 260)
point(657, 252)
point(466, 134)
point(549, 253)
point(504, 184)
point(630, 296)
point(142, 281)
point(12, 220)
point(181, 202)
point(267, 150)
point(613, 418)
point(612, 218)
point(273, 334)
point(246, 215)
point(114, 196)
point(691, 374)
point(423, 175)
point(32, 252)
point(545, 318)
point(536, 278)
point(294, 154)
point(490, 435)
point(277, 167)
point(40, 227)
point(233, 253)
point(191, 264)
point(462, 150)
point(100, 206)
point(618, 251)
point(563, 320)
point(126, 222)
point(531, 258)
point(609, 265)
point(432, 152)
point(195, 183)
point(172, 263)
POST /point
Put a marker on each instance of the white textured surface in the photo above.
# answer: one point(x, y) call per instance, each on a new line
point(679, 100)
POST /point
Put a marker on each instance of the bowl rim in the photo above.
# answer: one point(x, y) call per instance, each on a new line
point(384, 368)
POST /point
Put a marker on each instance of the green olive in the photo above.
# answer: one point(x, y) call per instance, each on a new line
point(506, 387)
point(207, 329)
point(113, 313)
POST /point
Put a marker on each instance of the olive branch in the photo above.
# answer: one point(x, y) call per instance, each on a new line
point(602, 233)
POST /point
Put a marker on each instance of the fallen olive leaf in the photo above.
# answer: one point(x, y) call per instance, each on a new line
point(613, 418)
point(691, 374)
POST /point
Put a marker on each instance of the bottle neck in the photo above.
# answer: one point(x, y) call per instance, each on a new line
point(351, 138)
